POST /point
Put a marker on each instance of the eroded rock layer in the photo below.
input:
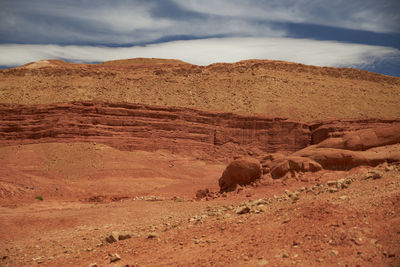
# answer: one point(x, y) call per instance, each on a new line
point(141, 127)
point(203, 134)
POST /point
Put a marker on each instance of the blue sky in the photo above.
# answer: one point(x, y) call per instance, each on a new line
point(363, 34)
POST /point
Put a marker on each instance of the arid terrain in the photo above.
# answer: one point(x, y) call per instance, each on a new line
point(153, 162)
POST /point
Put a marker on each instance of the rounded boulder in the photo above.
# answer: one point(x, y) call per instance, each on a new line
point(242, 171)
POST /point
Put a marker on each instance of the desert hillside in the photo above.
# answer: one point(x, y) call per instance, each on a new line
point(269, 88)
point(255, 163)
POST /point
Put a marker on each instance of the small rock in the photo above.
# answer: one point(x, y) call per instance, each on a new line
point(4, 257)
point(113, 237)
point(263, 262)
point(124, 236)
point(261, 201)
point(334, 252)
point(152, 235)
point(243, 210)
point(331, 183)
point(333, 190)
point(285, 255)
point(343, 197)
point(295, 198)
point(246, 258)
point(262, 208)
point(372, 175)
point(286, 220)
point(93, 265)
point(288, 193)
point(114, 257)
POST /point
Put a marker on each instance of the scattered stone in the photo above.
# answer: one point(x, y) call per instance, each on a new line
point(344, 197)
point(226, 216)
point(113, 237)
point(93, 265)
point(243, 210)
point(288, 193)
point(114, 257)
point(5, 257)
point(152, 235)
point(333, 190)
point(285, 255)
point(178, 199)
point(263, 262)
point(262, 208)
point(246, 258)
point(333, 252)
point(358, 241)
point(124, 236)
point(202, 193)
point(372, 175)
point(286, 220)
point(331, 183)
point(295, 198)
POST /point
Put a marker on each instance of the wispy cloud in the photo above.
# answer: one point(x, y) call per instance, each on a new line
point(207, 51)
point(75, 29)
point(370, 15)
point(114, 22)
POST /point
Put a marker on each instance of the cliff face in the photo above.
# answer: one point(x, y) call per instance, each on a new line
point(131, 127)
point(140, 127)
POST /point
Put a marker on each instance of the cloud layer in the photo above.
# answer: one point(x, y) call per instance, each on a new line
point(139, 21)
point(207, 51)
point(223, 30)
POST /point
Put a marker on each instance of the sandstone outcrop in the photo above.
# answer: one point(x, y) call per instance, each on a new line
point(292, 165)
point(364, 147)
point(341, 159)
point(150, 128)
point(242, 171)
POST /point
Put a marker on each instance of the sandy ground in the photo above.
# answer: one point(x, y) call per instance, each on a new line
point(358, 225)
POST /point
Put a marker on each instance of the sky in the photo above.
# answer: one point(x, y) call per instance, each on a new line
point(363, 34)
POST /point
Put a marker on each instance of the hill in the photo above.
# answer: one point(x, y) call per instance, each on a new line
point(269, 88)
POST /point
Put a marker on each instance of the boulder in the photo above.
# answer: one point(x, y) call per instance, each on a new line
point(242, 171)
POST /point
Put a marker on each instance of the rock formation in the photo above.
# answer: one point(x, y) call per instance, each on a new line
point(241, 171)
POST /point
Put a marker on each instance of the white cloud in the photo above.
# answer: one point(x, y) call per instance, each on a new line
point(113, 22)
point(207, 51)
point(370, 15)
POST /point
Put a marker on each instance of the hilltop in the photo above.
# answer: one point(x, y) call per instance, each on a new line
point(268, 88)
